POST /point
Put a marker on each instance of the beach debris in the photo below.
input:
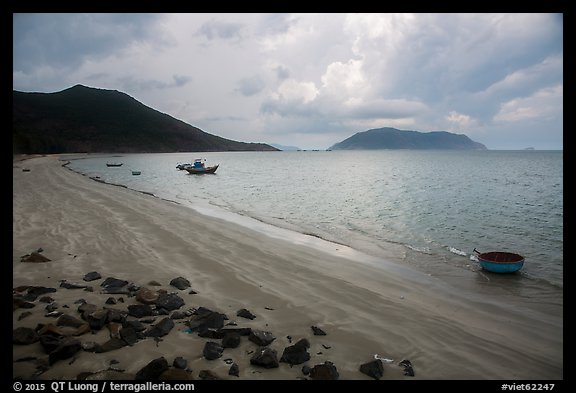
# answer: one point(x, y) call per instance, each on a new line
point(408, 369)
point(212, 350)
point(234, 370)
point(34, 257)
point(180, 283)
point(317, 331)
point(245, 314)
point(325, 371)
point(261, 337)
point(91, 276)
point(266, 357)
point(384, 360)
point(374, 369)
point(297, 353)
point(152, 370)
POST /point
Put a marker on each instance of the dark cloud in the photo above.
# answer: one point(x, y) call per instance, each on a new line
point(250, 86)
point(67, 40)
point(134, 84)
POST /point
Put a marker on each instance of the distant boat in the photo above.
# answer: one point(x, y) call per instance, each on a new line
point(183, 166)
point(114, 163)
point(500, 262)
point(135, 173)
point(198, 168)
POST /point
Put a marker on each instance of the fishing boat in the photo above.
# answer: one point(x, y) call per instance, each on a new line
point(198, 167)
point(500, 262)
point(114, 163)
point(183, 166)
point(136, 173)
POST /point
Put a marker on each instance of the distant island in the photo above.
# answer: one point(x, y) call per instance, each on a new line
point(86, 119)
point(285, 148)
point(392, 138)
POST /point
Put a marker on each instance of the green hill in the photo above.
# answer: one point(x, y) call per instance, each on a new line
point(85, 119)
point(392, 138)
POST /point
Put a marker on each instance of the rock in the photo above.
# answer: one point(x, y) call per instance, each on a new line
point(46, 299)
point(208, 375)
point(234, 370)
point(212, 350)
point(180, 283)
point(231, 340)
point(96, 319)
point(111, 300)
point(139, 310)
point(71, 285)
point(129, 335)
point(192, 292)
point(51, 307)
point(306, 370)
point(117, 315)
point(260, 337)
point(68, 320)
point(86, 308)
point(24, 336)
point(34, 257)
point(297, 353)
point(114, 328)
point(317, 331)
point(408, 369)
point(24, 315)
point(136, 325)
point(175, 374)
point(89, 346)
point(154, 283)
point(66, 348)
point(112, 282)
point(374, 369)
point(266, 357)
point(111, 345)
point(92, 276)
point(169, 301)
point(207, 320)
point(180, 362)
point(152, 370)
point(178, 315)
point(326, 371)
point(146, 296)
point(20, 303)
point(245, 314)
point(161, 329)
point(33, 292)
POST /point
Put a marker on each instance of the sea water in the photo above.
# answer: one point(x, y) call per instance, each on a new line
point(425, 209)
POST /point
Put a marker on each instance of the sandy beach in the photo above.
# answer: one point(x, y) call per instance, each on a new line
point(84, 226)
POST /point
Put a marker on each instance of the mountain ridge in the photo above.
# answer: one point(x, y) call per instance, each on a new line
point(88, 119)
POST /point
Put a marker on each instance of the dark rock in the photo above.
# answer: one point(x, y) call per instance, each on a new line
point(68, 320)
point(117, 315)
point(152, 370)
point(374, 369)
point(260, 337)
point(266, 357)
point(87, 308)
point(212, 350)
point(180, 283)
point(136, 325)
point(33, 292)
point(175, 374)
point(50, 342)
point(208, 375)
point(207, 320)
point(34, 257)
point(96, 319)
point(111, 300)
point(89, 346)
point(326, 371)
point(243, 331)
point(67, 348)
point(161, 329)
point(169, 301)
point(21, 303)
point(180, 362)
point(71, 285)
point(92, 276)
point(128, 334)
point(245, 314)
point(231, 340)
point(112, 282)
point(306, 370)
point(46, 299)
point(234, 370)
point(111, 345)
point(24, 336)
point(297, 353)
point(317, 331)
point(154, 283)
point(192, 292)
point(178, 315)
point(24, 315)
point(408, 369)
point(53, 314)
point(139, 310)
point(51, 307)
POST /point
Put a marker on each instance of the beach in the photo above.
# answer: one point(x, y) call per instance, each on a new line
point(290, 284)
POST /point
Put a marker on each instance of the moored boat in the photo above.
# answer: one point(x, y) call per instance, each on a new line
point(199, 167)
point(500, 262)
point(114, 163)
point(135, 173)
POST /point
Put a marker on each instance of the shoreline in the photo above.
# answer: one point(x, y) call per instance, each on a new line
point(364, 310)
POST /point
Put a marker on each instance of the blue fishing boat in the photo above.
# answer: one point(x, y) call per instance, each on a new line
point(500, 262)
point(199, 168)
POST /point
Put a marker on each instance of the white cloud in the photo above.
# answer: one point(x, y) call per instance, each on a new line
point(460, 121)
point(544, 103)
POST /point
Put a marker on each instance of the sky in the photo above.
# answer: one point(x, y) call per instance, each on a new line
point(312, 80)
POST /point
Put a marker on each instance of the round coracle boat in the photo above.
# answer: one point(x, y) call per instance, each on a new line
point(500, 262)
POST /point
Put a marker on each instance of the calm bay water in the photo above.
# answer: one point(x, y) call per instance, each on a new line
point(426, 209)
